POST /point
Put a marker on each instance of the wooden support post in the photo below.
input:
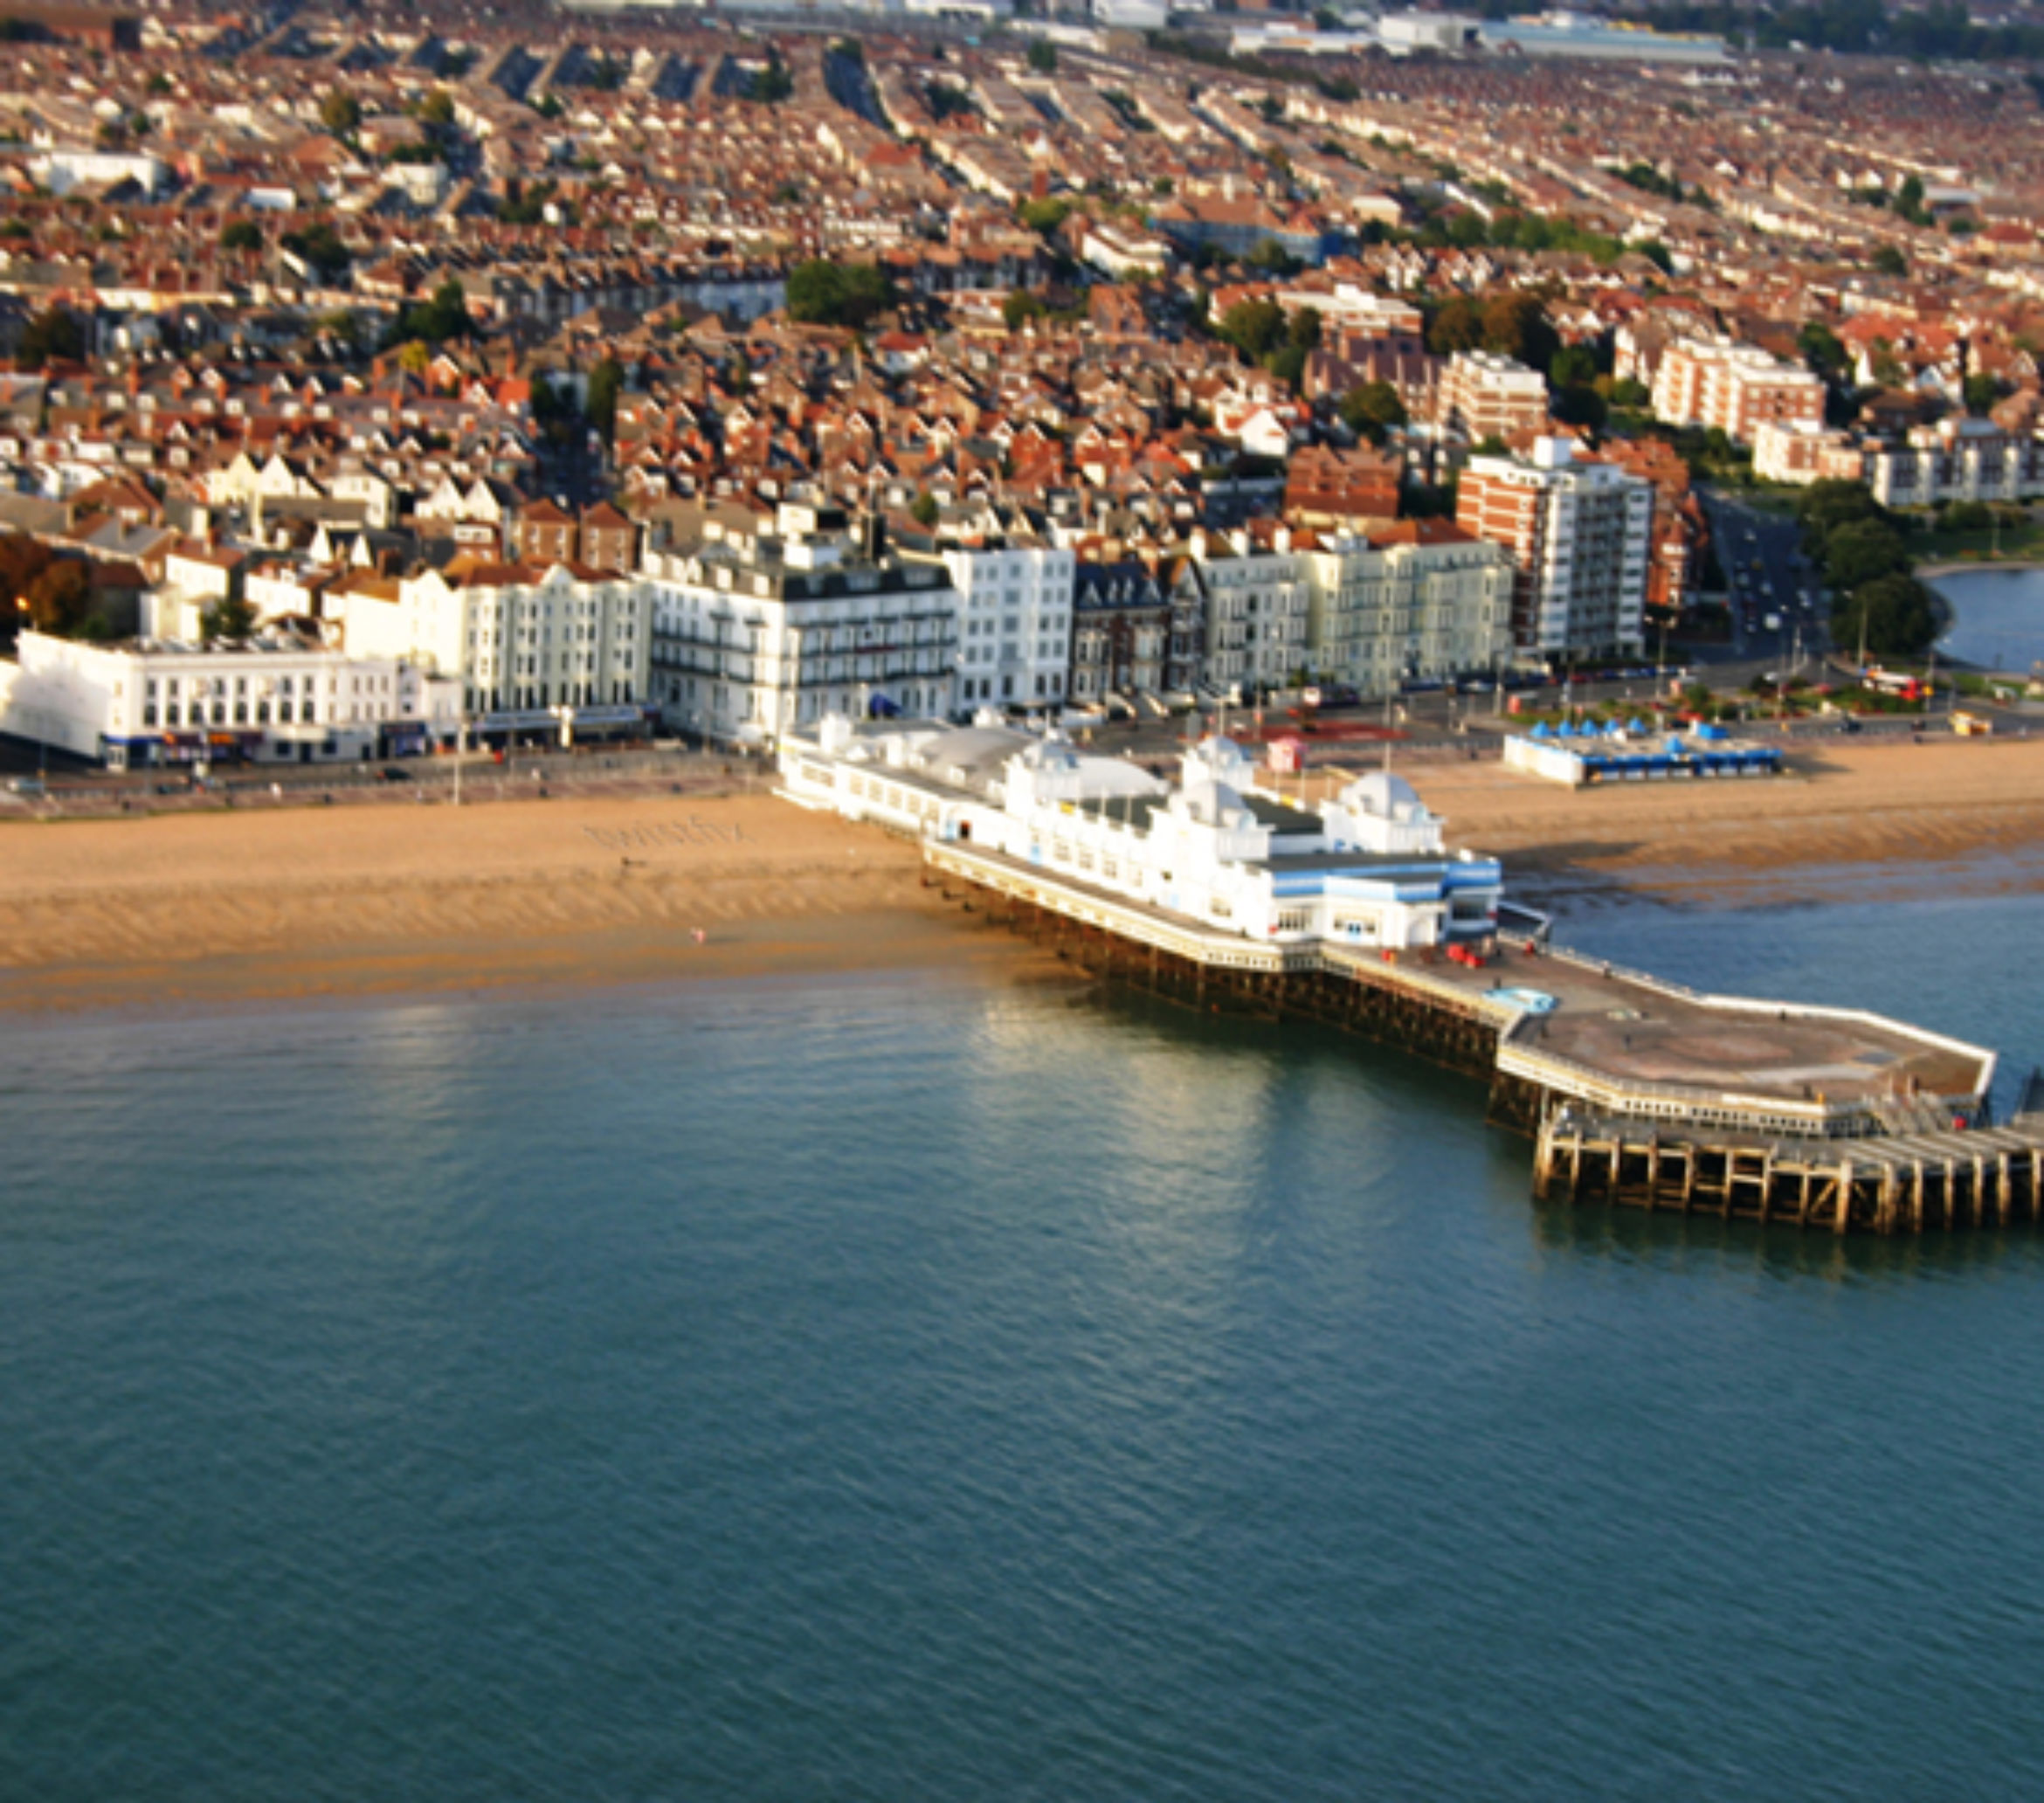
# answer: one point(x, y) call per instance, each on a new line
point(2003, 1189)
point(1890, 1200)
point(1766, 1186)
point(1802, 1201)
point(1916, 1198)
point(1845, 1199)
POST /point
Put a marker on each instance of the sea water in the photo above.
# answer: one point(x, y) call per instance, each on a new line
point(898, 1388)
point(1997, 619)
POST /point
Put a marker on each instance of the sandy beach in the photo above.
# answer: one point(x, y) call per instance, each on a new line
point(588, 889)
point(1843, 815)
point(360, 901)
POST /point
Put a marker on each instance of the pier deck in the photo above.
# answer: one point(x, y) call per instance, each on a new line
point(1636, 1090)
point(1652, 1035)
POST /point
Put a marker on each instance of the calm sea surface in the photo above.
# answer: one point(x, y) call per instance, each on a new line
point(899, 1390)
point(1998, 617)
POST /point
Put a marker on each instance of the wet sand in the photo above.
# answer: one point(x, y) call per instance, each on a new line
point(313, 902)
point(365, 901)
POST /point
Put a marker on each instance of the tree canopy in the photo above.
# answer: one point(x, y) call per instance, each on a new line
point(821, 292)
point(1372, 410)
point(55, 335)
point(341, 113)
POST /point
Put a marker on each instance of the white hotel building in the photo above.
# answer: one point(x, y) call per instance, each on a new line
point(1014, 600)
point(759, 634)
point(532, 651)
point(1420, 600)
point(277, 700)
point(1367, 870)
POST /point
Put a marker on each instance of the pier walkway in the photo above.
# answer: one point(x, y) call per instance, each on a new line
point(1636, 1090)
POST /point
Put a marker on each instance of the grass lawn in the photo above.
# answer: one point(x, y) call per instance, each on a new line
point(2017, 544)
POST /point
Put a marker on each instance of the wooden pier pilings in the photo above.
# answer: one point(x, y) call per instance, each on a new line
point(1880, 1182)
point(1986, 1176)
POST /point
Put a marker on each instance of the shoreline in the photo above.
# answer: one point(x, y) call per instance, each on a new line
point(594, 892)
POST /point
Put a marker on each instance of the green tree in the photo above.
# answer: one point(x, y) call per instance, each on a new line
point(230, 618)
point(606, 383)
point(1303, 332)
point(341, 113)
point(1982, 391)
point(1577, 405)
point(1020, 308)
point(1272, 258)
point(773, 84)
point(1287, 364)
point(1888, 261)
point(946, 100)
point(821, 292)
point(59, 596)
point(1458, 325)
point(241, 235)
point(924, 509)
point(1830, 503)
point(1574, 366)
point(1255, 327)
point(320, 247)
point(1515, 325)
point(445, 316)
point(1043, 55)
point(1823, 351)
point(1045, 215)
point(52, 335)
point(1372, 410)
point(1861, 551)
point(437, 109)
point(1892, 615)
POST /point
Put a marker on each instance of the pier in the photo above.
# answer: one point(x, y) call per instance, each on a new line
point(1636, 1092)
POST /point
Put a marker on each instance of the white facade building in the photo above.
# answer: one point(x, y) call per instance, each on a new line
point(755, 634)
point(274, 699)
point(1421, 602)
point(1367, 871)
point(531, 651)
point(1579, 533)
point(1253, 604)
point(1014, 614)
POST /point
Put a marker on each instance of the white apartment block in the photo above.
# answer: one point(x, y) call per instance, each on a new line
point(1253, 604)
point(1957, 460)
point(1579, 535)
point(1014, 622)
point(274, 699)
point(532, 652)
point(1798, 453)
point(1737, 387)
point(1421, 602)
point(758, 634)
point(1484, 396)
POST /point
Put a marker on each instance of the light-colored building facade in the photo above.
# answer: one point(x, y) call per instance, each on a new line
point(1420, 601)
point(532, 649)
point(756, 634)
point(1251, 600)
point(1366, 871)
point(1580, 536)
point(1797, 454)
point(277, 699)
point(1014, 611)
point(1737, 388)
point(1483, 396)
point(1957, 460)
